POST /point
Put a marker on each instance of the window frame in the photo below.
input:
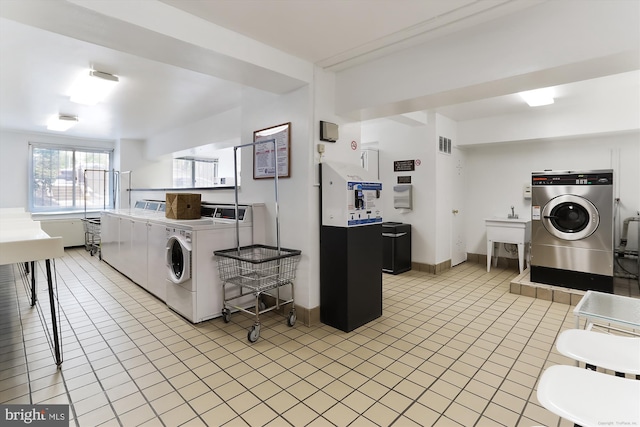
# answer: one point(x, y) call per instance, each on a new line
point(78, 205)
point(215, 162)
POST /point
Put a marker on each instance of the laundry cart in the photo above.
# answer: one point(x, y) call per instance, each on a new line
point(257, 270)
point(94, 179)
point(92, 235)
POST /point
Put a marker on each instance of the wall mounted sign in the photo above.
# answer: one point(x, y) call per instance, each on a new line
point(264, 155)
point(354, 145)
point(404, 166)
point(404, 180)
point(418, 162)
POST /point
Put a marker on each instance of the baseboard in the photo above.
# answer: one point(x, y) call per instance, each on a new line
point(432, 268)
point(306, 316)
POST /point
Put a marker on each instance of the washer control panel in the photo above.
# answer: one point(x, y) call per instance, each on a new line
point(604, 177)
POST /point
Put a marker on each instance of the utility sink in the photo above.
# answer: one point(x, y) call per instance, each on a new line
point(516, 231)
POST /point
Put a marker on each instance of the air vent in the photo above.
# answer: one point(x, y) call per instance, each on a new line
point(444, 145)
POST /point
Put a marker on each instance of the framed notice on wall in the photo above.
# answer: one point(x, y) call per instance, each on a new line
point(264, 155)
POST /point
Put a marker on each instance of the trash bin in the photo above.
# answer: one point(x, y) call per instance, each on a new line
point(396, 247)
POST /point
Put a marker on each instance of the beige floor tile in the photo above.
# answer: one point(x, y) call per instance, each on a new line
point(219, 415)
point(321, 401)
point(167, 402)
point(447, 422)
point(137, 416)
point(419, 415)
point(157, 390)
point(205, 402)
point(259, 415)
point(461, 414)
point(382, 414)
point(340, 415)
point(282, 401)
point(243, 402)
point(128, 403)
point(501, 414)
point(300, 415)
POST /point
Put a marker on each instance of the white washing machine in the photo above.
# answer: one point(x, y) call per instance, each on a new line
point(193, 287)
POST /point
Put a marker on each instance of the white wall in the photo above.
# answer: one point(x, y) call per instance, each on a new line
point(396, 141)
point(497, 173)
point(297, 197)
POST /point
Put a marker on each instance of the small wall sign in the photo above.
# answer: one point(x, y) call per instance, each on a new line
point(404, 165)
point(404, 180)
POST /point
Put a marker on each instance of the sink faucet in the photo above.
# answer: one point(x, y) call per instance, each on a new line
point(512, 215)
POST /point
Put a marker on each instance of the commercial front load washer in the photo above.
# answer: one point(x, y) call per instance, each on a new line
point(193, 287)
point(572, 229)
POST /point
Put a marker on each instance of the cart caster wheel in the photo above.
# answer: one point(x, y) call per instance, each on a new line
point(226, 315)
point(253, 334)
point(93, 252)
point(261, 305)
point(291, 319)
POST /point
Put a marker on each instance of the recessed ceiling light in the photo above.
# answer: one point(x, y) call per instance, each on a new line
point(61, 122)
point(92, 87)
point(538, 97)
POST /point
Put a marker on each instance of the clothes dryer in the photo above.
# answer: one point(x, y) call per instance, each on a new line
point(572, 229)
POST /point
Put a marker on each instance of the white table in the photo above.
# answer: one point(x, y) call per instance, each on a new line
point(23, 241)
point(507, 230)
point(589, 398)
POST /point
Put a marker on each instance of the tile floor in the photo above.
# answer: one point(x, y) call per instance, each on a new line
point(456, 349)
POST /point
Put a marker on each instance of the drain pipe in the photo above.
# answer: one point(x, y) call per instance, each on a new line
point(623, 236)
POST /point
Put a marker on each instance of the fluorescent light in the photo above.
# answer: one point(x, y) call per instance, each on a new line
point(538, 97)
point(92, 87)
point(61, 122)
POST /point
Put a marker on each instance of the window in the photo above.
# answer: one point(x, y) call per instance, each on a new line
point(191, 173)
point(69, 178)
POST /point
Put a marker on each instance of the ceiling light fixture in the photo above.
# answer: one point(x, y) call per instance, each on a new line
point(92, 87)
point(538, 97)
point(62, 122)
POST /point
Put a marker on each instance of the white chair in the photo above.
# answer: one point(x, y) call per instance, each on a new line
point(614, 352)
point(589, 398)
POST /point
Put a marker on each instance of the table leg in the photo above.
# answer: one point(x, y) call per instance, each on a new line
point(489, 252)
point(54, 323)
point(521, 256)
point(34, 297)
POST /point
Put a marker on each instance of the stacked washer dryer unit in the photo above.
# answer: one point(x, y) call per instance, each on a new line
point(572, 229)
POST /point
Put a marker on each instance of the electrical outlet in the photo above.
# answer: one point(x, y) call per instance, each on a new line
point(320, 148)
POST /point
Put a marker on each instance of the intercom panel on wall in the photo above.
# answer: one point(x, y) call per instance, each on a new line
point(328, 132)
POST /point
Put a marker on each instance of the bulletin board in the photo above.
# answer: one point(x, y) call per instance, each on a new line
point(264, 155)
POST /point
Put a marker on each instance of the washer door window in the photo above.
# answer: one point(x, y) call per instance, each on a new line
point(570, 217)
point(178, 260)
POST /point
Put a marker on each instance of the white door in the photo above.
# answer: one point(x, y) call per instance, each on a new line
point(458, 241)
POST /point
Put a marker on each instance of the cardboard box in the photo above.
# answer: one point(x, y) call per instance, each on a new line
point(183, 205)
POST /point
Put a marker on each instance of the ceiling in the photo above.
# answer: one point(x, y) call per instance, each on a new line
point(39, 65)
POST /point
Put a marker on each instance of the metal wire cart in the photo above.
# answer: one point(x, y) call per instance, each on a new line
point(257, 269)
point(92, 235)
point(260, 270)
point(96, 180)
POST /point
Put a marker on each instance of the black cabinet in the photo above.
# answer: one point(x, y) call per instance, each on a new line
point(396, 247)
point(350, 276)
